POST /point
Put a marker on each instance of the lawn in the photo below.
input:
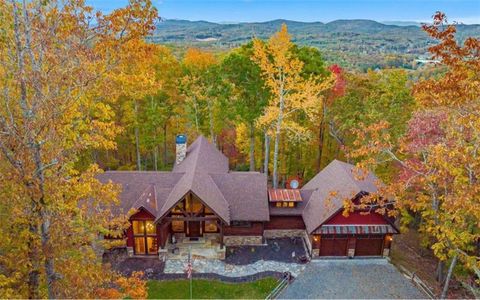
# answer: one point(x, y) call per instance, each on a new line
point(207, 289)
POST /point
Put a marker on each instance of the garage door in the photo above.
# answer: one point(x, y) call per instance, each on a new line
point(369, 246)
point(333, 247)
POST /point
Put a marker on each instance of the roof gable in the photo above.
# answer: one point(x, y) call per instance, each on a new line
point(334, 184)
point(204, 187)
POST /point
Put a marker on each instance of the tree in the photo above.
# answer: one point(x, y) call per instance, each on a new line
point(55, 62)
point(437, 158)
point(249, 93)
point(369, 99)
point(291, 93)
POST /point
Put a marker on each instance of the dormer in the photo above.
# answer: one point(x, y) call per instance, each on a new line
point(284, 198)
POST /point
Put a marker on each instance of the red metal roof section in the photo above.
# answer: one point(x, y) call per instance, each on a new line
point(281, 195)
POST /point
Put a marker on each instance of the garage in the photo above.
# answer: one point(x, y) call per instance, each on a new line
point(333, 245)
point(369, 245)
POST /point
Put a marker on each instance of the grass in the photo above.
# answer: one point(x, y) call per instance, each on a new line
point(207, 289)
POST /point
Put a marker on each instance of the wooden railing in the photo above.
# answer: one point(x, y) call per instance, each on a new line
point(281, 285)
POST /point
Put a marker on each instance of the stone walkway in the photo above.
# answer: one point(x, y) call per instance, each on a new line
point(221, 268)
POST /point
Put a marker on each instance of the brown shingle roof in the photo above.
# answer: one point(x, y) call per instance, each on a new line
point(246, 193)
point(204, 172)
point(137, 185)
point(202, 157)
point(330, 188)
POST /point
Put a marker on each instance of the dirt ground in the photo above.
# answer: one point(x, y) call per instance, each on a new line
point(406, 251)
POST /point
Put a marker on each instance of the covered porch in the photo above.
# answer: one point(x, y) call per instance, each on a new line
point(193, 226)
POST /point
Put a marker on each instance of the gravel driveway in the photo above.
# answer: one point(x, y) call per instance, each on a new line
point(355, 278)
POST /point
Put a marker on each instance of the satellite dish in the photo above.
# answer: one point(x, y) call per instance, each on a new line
point(294, 184)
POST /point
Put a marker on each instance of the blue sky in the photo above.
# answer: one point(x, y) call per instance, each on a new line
point(466, 11)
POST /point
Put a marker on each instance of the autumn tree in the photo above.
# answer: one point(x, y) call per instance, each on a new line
point(56, 59)
point(437, 158)
point(292, 94)
point(205, 89)
point(249, 95)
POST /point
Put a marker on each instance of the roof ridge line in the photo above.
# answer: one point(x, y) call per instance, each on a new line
point(223, 196)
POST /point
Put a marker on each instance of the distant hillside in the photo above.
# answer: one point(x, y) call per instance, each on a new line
point(358, 44)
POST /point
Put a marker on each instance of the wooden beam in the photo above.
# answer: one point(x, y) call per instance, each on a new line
point(169, 219)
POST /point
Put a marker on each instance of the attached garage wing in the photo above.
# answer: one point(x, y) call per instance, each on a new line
point(333, 246)
point(369, 245)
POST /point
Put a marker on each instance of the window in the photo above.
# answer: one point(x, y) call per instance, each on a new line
point(241, 224)
point(290, 204)
point(178, 225)
point(145, 237)
point(211, 226)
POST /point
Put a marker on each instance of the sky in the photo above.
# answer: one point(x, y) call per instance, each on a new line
point(464, 11)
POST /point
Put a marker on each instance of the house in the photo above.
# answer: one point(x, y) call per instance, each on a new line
point(201, 201)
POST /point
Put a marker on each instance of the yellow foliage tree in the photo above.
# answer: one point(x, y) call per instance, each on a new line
point(292, 94)
point(56, 59)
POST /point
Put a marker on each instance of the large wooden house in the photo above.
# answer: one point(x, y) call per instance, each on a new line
point(201, 200)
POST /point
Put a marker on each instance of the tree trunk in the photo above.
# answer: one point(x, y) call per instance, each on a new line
point(196, 113)
point(165, 157)
point(321, 138)
point(34, 259)
point(36, 183)
point(252, 147)
point(211, 124)
point(267, 154)
point(155, 157)
point(449, 276)
point(439, 274)
point(137, 139)
point(277, 137)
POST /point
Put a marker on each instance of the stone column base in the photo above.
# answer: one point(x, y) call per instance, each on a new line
point(221, 253)
point(386, 252)
point(130, 251)
point(162, 254)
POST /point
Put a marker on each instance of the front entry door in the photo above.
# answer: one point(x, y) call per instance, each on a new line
point(194, 229)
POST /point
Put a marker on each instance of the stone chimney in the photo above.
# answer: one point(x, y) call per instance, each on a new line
point(181, 148)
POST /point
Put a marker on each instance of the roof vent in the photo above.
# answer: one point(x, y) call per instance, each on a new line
point(181, 148)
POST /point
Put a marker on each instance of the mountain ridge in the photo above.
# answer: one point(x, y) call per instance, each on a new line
point(355, 43)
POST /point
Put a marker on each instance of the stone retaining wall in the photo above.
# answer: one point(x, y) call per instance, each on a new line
point(213, 276)
point(281, 233)
point(238, 240)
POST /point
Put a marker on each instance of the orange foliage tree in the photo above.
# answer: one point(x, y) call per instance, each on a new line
point(55, 62)
point(438, 157)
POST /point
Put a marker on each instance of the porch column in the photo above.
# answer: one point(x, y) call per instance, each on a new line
point(221, 235)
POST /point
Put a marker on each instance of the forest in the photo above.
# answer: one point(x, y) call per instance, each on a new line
point(97, 95)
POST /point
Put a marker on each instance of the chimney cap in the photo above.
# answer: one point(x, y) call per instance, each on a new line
point(181, 139)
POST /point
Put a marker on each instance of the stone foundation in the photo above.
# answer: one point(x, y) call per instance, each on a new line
point(282, 233)
point(239, 240)
point(315, 252)
point(130, 251)
point(386, 252)
point(162, 254)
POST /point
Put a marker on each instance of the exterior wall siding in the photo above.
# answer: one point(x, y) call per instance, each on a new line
point(255, 229)
point(357, 217)
point(285, 222)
